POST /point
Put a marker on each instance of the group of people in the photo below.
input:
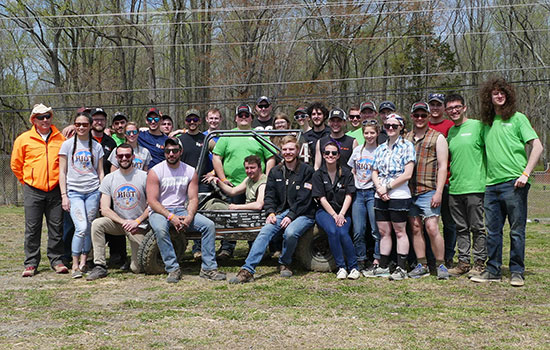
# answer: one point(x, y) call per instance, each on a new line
point(377, 190)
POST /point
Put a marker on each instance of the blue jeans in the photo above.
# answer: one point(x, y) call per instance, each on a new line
point(363, 206)
point(161, 227)
point(339, 239)
point(84, 207)
point(449, 226)
point(291, 234)
point(503, 200)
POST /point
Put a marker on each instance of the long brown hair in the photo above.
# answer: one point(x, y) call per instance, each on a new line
point(485, 97)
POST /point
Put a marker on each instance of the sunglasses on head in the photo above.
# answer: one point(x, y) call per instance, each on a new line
point(420, 115)
point(124, 156)
point(370, 122)
point(391, 126)
point(43, 116)
point(153, 119)
point(171, 150)
point(131, 132)
point(300, 116)
point(333, 153)
point(354, 116)
point(192, 120)
point(263, 106)
point(78, 125)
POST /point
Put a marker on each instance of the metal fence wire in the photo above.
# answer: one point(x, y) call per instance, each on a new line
point(11, 192)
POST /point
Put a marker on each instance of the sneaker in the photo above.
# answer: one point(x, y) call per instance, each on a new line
point(97, 273)
point(376, 271)
point(478, 268)
point(398, 275)
point(342, 274)
point(174, 276)
point(243, 276)
point(516, 280)
point(29, 271)
point(419, 271)
point(213, 275)
point(76, 274)
point(486, 276)
point(354, 274)
point(285, 271)
point(442, 272)
point(460, 269)
point(225, 254)
point(61, 269)
point(197, 256)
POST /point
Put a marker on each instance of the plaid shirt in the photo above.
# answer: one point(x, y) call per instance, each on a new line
point(424, 178)
point(390, 163)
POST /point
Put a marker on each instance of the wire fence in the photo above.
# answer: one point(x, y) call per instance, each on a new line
point(11, 192)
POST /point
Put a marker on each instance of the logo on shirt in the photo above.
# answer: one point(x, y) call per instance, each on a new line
point(126, 197)
point(82, 161)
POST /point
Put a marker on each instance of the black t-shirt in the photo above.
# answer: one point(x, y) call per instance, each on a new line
point(262, 125)
point(311, 138)
point(346, 147)
point(108, 145)
point(335, 193)
point(192, 147)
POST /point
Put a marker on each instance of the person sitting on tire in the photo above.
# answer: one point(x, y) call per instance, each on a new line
point(170, 185)
point(290, 207)
point(333, 186)
point(125, 187)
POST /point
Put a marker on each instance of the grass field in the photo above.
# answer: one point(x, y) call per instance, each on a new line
point(310, 310)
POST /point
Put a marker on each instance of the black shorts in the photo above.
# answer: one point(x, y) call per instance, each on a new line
point(394, 210)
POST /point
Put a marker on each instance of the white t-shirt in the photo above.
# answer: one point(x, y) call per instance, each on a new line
point(82, 175)
point(361, 161)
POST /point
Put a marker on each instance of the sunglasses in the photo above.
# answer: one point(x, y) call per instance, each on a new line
point(263, 106)
point(43, 116)
point(124, 156)
point(300, 116)
point(153, 119)
point(370, 122)
point(192, 120)
point(333, 153)
point(354, 116)
point(391, 126)
point(423, 116)
point(171, 150)
point(78, 125)
point(243, 115)
point(131, 132)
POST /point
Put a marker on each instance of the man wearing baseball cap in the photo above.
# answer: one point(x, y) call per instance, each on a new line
point(263, 109)
point(336, 122)
point(153, 139)
point(118, 124)
point(35, 163)
point(430, 174)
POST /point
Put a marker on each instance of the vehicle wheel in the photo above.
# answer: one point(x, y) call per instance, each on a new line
point(313, 251)
point(149, 254)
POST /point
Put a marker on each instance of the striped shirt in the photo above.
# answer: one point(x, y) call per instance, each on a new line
point(425, 172)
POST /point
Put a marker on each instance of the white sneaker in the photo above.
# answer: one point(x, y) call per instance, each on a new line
point(354, 274)
point(342, 274)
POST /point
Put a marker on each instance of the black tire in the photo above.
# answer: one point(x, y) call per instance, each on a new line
point(149, 257)
point(313, 251)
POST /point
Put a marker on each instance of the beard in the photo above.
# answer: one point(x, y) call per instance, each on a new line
point(172, 160)
point(127, 166)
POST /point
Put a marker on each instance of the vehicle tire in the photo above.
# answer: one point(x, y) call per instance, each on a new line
point(149, 256)
point(313, 251)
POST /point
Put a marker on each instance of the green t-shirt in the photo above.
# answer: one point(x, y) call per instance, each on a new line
point(119, 141)
point(358, 135)
point(505, 147)
point(234, 150)
point(467, 156)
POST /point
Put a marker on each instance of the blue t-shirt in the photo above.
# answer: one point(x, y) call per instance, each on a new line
point(155, 145)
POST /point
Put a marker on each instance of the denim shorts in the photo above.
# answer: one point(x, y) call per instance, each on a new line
point(422, 206)
point(394, 210)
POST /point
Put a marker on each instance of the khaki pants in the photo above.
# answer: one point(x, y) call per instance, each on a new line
point(103, 225)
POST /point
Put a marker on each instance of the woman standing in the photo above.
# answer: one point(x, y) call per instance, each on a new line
point(142, 157)
point(392, 169)
point(80, 171)
point(361, 162)
point(333, 187)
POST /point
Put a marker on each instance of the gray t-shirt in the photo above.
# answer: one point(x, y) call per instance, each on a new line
point(82, 175)
point(142, 158)
point(127, 193)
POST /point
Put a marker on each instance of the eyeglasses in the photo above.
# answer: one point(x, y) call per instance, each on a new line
point(124, 156)
point(78, 125)
point(450, 109)
point(423, 116)
point(131, 132)
point(354, 116)
point(171, 150)
point(333, 153)
point(153, 119)
point(192, 120)
point(98, 120)
point(300, 116)
point(370, 122)
point(43, 116)
point(263, 106)
point(391, 126)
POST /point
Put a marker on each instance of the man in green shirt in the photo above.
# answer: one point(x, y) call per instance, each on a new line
point(466, 185)
point(508, 168)
point(118, 126)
